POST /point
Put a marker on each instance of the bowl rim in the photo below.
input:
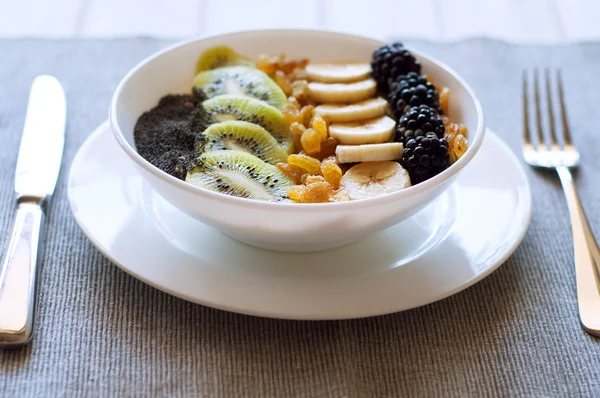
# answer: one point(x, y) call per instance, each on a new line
point(386, 198)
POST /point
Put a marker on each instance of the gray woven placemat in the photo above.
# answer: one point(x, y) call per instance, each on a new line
point(100, 332)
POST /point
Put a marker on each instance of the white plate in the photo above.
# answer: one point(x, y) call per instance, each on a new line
point(453, 243)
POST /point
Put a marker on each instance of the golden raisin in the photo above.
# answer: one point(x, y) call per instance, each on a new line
point(327, 148)
point(300, 91)
point(295, 192)
point(280, 60)
point(267, 63)
point(297, 129)
point(462, 129)
point(331, 171)
point(444, 98)
point(271, 63)
point(319, 124)
point(283, 82)
point(339, 196)
point(313, 179)
point(450, 132)
point(293, 101)
point(457, 141)
point(298, 74)
point(307, 113)
point(292, 112)
point(453, 129)
point(306, 163)
point(294, 172)
point(289, 66)
point(317, 192)
point(458, 147)
point(311, 141)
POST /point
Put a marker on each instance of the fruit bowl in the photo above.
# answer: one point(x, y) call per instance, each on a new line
point(283, 226)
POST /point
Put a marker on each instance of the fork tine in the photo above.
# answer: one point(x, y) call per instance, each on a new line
point(553, 139)
point(563, 109)
point(538, 110)
point(526, 131)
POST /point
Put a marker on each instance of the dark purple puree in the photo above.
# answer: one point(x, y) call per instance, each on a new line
point(166, 135)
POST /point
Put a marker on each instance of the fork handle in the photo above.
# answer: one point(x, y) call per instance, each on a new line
point(18, 276)
point(586, 248)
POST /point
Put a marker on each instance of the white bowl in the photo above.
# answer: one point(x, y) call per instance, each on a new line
point(283, 226)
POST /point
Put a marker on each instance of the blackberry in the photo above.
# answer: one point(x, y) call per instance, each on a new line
point(412, 90)
point(424, 157)
point(391, 61)
point(417, 122)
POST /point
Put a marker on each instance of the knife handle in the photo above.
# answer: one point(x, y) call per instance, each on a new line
point(18, 276)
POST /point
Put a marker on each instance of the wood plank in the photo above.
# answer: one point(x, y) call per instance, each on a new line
point(579, 19)
point(223, 16)
point(175, 18)
point(52, 19)
point(383, 19)
point(514, 20)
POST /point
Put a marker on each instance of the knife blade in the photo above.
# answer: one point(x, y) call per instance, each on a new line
point(43, 139)
point(37, 170)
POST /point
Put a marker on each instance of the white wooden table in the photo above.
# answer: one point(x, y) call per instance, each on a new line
point(537, 21)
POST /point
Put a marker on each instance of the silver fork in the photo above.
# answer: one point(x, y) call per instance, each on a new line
point(562, 157)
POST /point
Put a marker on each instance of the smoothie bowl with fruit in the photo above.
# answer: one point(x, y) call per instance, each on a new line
point(296, 140)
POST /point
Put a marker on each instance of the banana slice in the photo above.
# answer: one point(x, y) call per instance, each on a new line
point(342, 93)
point(367, 180)
point(368, 109)
point(338, 73)
point(370, 131)
point(368, 152)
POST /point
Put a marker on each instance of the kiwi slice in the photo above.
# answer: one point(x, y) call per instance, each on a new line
point(219, 56)
point(241, 174)
point(243, 136)
point(241, 80)
point(239, 107)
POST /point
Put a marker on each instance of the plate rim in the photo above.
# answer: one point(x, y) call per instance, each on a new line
point(496, 263)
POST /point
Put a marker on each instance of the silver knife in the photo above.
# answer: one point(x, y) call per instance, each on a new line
point(37, 170)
